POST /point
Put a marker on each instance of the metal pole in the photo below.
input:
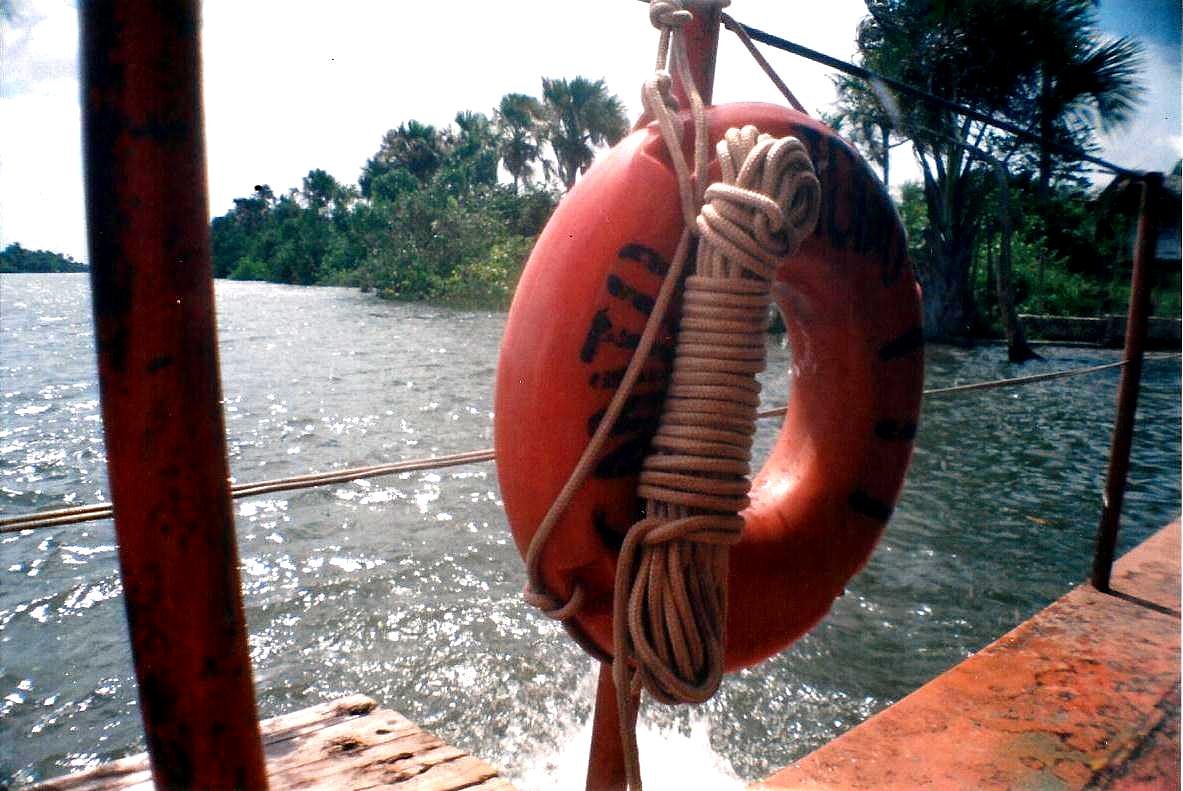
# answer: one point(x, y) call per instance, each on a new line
point(702, 47)
point(147, 217)
point(605, 764)
point(1131, 378)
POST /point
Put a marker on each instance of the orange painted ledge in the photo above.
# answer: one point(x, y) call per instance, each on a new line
point(1085, 695)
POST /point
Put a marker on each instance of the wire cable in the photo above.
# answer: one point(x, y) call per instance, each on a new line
point(919, 93)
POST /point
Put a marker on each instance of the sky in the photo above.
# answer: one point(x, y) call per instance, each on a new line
point(292, 85)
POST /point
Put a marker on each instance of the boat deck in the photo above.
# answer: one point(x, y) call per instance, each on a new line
point(346, 743)
point(1085, 695)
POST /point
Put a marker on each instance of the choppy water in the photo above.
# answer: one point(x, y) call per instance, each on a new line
point(407, 588)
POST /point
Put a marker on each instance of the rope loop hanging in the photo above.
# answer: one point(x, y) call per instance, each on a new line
point(658, 100)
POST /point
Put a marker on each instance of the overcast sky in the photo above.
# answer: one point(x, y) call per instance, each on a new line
point(293, 85)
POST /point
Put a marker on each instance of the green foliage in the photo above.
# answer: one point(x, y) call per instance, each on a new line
point(1039, 64)
point(580, 114)
point(489, 281)
point(15, 258)
point(1070, 253)
point(250, 269)
point(519, 120)
point(428, 219)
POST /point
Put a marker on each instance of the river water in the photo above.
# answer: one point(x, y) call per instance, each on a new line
point(407, 588)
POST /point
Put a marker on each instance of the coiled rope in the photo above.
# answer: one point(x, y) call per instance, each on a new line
point(668, 16)
point(670, 602)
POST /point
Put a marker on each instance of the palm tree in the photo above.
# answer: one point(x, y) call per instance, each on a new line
point(1085, 83)
point(1038, 63)
point(520, 129)
point(470, 154)
point(580, 114)
point(414, 147)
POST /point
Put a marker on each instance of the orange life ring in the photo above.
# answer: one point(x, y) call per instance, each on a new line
point(852, 310)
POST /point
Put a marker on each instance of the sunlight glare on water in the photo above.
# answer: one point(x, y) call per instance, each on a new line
point(408, 588)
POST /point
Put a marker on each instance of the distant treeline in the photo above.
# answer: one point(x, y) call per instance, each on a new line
point(15, 258)
point(429, 218)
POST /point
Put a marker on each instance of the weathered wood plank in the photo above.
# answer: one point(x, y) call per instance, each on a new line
point(345, 743)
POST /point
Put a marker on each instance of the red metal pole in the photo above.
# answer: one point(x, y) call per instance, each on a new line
point(1131, 379)
point(702, 47)
point(605, 766)
point(605, 763)
point(148, 229)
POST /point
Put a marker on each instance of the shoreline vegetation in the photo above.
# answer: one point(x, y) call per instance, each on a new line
point(15, 259)
point(429, 218)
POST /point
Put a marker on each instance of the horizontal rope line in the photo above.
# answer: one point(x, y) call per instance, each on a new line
point(88, 513)
point(1019, 380)
point(65, 516)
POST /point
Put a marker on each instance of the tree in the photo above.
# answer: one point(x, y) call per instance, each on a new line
point(1083, 82)
point(862, 119)
point(580, 114)
point(954, 50)
point(414, 147)
point(520, 132)
point(469, 155)
point(15, 258)
point(321, 192)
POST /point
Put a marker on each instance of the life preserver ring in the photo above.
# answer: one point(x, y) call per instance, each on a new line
point(852, 310)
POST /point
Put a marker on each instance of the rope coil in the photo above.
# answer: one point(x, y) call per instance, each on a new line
point(670, 603)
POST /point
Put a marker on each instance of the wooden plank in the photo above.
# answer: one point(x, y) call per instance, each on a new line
point(346, 743)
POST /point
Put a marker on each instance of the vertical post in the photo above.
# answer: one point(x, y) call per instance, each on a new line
point(147, 217)
point(1131, 378)
point(605, 763)
point(702, 47)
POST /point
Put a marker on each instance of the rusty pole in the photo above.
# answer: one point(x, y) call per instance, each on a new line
point(1131, 379)
point(148, 234)
point(605, 764)
point(702, 47)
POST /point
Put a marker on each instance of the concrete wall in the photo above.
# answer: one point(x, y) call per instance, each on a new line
point(1101, 330)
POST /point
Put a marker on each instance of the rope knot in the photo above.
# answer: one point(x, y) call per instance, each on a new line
point(668, 14)
point(550, 605)
point(659, 89)
point(767, 203)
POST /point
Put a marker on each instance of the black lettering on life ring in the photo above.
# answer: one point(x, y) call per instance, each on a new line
point(600, 325)
point(610, 378)
point(902, 346)
point(620, 289)
point(872, 507)
point(625, 460)
point(647, 256)
point(639, 415)
point(871, 229)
